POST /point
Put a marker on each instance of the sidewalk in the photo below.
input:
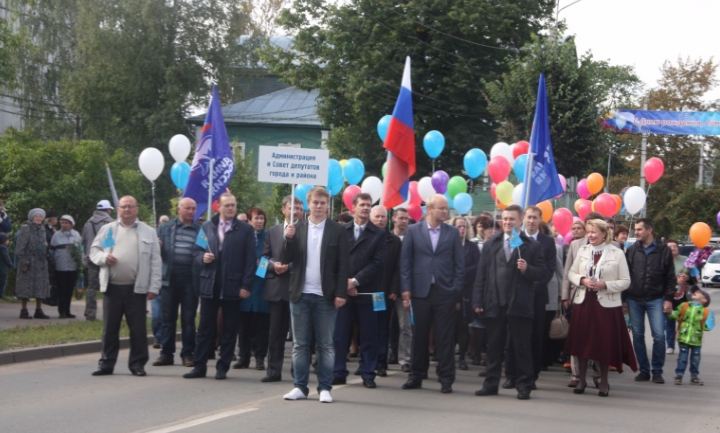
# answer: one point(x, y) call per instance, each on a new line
point(10, 314)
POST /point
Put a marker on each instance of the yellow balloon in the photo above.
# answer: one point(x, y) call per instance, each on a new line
point(547, 210)
point(595, 183)
point(503, 192)
point(343, 162)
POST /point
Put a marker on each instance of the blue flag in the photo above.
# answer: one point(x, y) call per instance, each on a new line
point(213, 145)
point(543, 182)
point(201, 239)
point(108, 242)
point(515, 239)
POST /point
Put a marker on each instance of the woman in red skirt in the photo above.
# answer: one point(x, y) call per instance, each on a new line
point(597, 325)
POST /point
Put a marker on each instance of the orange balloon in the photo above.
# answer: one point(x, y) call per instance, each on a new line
point(618, 203)
point(547, 210)
point(578, 203)
point(700, 234)
point(595, 183)
point(500, 205)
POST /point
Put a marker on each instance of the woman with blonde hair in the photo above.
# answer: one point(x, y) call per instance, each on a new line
point(597, 325)
point(464, 310)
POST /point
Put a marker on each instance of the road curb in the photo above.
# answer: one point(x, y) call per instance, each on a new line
point(57, 351)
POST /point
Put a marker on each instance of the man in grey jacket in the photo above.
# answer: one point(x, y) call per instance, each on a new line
point(128, 254)
point(99, 218)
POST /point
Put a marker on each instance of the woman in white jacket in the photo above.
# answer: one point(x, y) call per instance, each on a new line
point(597, 325)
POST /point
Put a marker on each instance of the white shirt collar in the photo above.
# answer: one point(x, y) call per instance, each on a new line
point(320, 225)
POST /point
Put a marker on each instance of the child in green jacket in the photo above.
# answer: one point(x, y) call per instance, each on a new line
point(693, 318)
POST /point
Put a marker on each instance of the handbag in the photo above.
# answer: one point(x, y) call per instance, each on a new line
point(559, 326)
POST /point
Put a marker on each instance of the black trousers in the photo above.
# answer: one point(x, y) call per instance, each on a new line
point(539, 335)
point(65, 285)
point(122, 301)
point(253, 335)
point(437, 309)
point(207, 330)
point(279, 326)
point(516, 332)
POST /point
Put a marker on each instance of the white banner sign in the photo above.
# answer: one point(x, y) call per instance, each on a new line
point(293, 165)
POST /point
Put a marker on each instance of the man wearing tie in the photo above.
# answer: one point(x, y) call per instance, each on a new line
point(366, 264)
point(504, 297)
point(431, 276)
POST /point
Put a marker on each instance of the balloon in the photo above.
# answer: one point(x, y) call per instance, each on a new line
point(335, 187)
point(373, 186)
point(433, 143)
point(215, 206)
point(151, 163)
point(504, 150)
point(456, 185)
point(605, 205)
point(634, 199)
point(354, 170)
point(498, 169)
point(349, 195)
point(440, 181)
point(343, 162)
point(654, 169)
point(504, 192)
point(582, 189)
point(584, 209)
point(301, 192)
point(383, 125)
point(180, 174)
point(415, 212)
point(335, 174)
point(383, 170)
point(462, 203)
point(547, 210)
point(520, 148)
point(415, 197)
point(519, 167)
point(179, 147)
point(518, 194)
point(595, 183)
point(717, 218)
point(500, 205)
point(425, 189)
point(618, 202)
point(563, 182)
point(577, 204)
point(562, 219)
point(700, 234)
point(449, 200)
point(475, 162)
point(568, 238)
point(493, 186)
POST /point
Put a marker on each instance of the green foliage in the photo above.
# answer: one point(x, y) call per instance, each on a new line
point(354, 54)
point(9, 44)
point(674, 218)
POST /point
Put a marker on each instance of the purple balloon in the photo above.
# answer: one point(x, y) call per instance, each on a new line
point(717, 218)
point(439, 181)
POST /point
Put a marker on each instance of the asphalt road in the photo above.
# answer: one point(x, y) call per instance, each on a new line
point(60, 396)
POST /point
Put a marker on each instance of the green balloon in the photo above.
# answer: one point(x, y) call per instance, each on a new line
point(384, 169)
point(456, 185)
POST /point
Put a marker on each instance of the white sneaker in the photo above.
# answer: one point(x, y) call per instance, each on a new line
point(295, 394)
point(325, 396)
point(670, 350)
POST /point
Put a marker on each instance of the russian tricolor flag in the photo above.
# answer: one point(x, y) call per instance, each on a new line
point(400, 144)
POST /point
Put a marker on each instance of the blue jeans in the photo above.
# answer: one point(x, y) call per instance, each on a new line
point(313, 316)
point(670, 333)
point(694, 352)
point(656, 317)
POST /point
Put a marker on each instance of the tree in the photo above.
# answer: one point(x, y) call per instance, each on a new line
point(580, 91)
point(354, 54)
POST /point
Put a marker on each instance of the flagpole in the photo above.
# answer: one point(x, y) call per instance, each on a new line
point(528, 177)
point(292, 203)
point(113, 191)
point(210, 189)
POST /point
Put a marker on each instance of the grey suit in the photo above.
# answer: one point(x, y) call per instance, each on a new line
point(277, 289)
point(435, 280)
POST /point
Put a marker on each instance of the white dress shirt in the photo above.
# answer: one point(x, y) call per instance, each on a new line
point(313, 277)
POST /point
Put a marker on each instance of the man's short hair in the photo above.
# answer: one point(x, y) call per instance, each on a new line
point(534, 209)
point(514, 208)
point(226, 194)
point(287, 198)
point(319, 191)
point(400, 209)
point(362, 196)
point(645, 222)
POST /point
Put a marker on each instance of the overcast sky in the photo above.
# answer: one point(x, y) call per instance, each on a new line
point(645, 33)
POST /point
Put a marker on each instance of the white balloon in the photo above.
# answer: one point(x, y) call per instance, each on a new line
point(179, 147)
point(425, 188)
point(151, 163)
point(518, 195)
point(372, 185)
point(634, 199)
point(502, 149)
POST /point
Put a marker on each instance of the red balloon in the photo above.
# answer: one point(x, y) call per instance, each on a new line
point(349, 195)
point(414, 194)
point(654, 169)
point(584, 209)
point(498, 169)
point(215, 206)
point(415, 211)
point(562, 220)
point(605, 205)
point(520, 148)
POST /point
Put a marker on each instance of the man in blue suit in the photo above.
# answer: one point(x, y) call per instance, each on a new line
point(431, 279)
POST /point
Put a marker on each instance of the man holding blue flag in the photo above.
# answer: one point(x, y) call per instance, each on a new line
point(504, 298)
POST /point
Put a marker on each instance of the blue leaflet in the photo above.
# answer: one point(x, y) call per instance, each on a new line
point(515, 239)
point(379, 301)
point(201, 240)
point(108, 242)
point(262, 267)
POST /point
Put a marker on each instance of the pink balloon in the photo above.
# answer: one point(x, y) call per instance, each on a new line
point(582, 189)
point(520, 148)
point(584, 209)
point(414, 194)
point(349, 195)
point(498, 169)
point(654, 169)
point(415, 211)
point(563, 183)
point(605, 205)
point(559, 240)
point(562, 220)
point(568, 238)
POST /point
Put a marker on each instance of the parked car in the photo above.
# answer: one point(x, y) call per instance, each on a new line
point(710, 276)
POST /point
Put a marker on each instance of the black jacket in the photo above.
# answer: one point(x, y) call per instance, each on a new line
point(391, 270)
point(549, 251)
point(237, 259)
point(651, 276)
point(472, 257)
point(520, 288)
point(366, 258)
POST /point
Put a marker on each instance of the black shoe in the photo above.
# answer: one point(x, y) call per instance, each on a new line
point(157, 346)
point(580, 387)
point(446, 388)
point(163, 360)
point(642, 377)
point(405, 368)
point(462, 365)
point(241, 364)
point(412, 384)
point(533, 386)
point(220, 375)
point(39, 314)
point(267, 379)
point(523, 395)
point(657, 378)
point(211, 355)
point(381, 372)
point(102, 372)
point(484, 391)
point(604, 393)
point(138, 371)
point(339, 381)
point(358, 372)
point(24, 314)
point(259, 364)
point(392, 360)
point(508, 384)
point(188, 361)
point(369, 383)
point(195, 373)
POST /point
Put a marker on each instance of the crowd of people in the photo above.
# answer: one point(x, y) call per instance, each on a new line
point(386, 290)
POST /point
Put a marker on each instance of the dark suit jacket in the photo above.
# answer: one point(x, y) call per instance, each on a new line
point(521, 287)
point(277, 287)
point(391, 270)
point(419, 263)
point(549, 251)
point(334, 258)
point(366, 258)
